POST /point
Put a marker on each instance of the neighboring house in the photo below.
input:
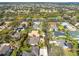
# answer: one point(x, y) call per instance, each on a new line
point(77, 25)
point(69, 26)
point(74, 34)
point(34, 38)
point(5, 50)
point(64, 23)
point(53, 19)
point(24, 24)
point(3, 27)
point(34, 52)
point(59, 34)
point(8, 22)
point(16, 35)
point(53, 26)
point(61, 43)
point(43, 51)
point(36, 25)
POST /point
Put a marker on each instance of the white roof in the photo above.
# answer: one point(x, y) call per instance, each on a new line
point(76, 24)
point(65, 24)
point(43, 51)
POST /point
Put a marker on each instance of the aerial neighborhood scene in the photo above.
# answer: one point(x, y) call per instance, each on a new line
point(39, 29)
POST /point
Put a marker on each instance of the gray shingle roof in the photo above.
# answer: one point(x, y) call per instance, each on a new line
point(5, 50)
point(34, 40)
point(35, 50)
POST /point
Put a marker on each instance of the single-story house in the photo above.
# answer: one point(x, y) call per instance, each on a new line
point(34, 38)
point(43, 51)
point(53, 26)
point(5, 50)
point(59, 34)
point(70, 27)
point(36, 25)
point(16, 35)
point(74, 34)
point(61, 43)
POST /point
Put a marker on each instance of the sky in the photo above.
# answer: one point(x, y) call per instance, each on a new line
point(39, 0)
